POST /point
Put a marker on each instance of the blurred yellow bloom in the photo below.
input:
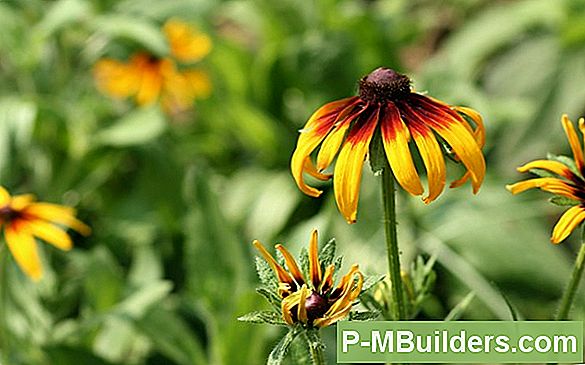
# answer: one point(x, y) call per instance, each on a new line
point(387, 105)
point(149, 79)
point(23, 220)
point(313, 301)
point(561, 179)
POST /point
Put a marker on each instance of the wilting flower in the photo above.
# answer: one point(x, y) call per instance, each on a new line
point(149, 78)
point(563, 177)
point(387, 103)
point(23, 220)
point(313, 301)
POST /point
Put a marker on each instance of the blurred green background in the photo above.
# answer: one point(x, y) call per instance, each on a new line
point(175, 201)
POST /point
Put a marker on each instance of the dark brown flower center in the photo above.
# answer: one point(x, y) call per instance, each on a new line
point(382, 85)
point(7, 214)
point(316, 306)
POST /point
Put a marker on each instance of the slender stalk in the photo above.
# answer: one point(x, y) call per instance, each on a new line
point(317, 355)
point(316, 346)
point(573, 286)
point(389, 199)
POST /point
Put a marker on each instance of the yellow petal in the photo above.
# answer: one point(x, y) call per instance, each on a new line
point(327, 282)
point(199, 82)
point(549, 184)
point(21, 202)
point(432, 156)
point(314, 265)
point(302, 309)
point(479, 131)
point(310, 169)
point(24, 249)
point(283, 276)
point(567, 223)
point(311, 135)
point(287, 305)
point(348, 169)
point(50, 233)
point(573, 141)
point(116, 79)
point(331, 144)
point(555, 167)
point(4, 197)
point(396, 136)
point(329, 320)
point(187, 43)
point(57, 214)
point(151, 81)
point(291, 264)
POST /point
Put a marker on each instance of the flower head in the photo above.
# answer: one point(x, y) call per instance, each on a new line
point(563, 177)
point(23, 220)
point(312, 300)
point(387, 103)
point(149, 78)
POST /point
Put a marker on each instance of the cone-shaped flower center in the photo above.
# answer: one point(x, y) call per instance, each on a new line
point(316, 306)
point(382, 85)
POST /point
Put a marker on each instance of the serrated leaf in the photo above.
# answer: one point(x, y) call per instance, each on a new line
point(563, 201)
point(138, 127)
point(265, 273)
point(370, 281)
point(327, 253)
point(364, 315)
point(268, 317)
point(270, 296)
point(304, 262)
point(278, 354)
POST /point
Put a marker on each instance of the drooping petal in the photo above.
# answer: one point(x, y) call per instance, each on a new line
point(50, 233)
point(24, 249)
point(151, 79)
point(291, 264)
point(311, 135)
point(432, 156)
point(199, 82)
point(177, 94)
point(574, 142)
point(348, 289)
point(314, 265)
point(395, 136)
point(455, 131)
point(567, 223)
point(479, 131)
point(20, 202)
point(288, 304)
point(187, 43)
point(348, 169)
point(309, 168)
point(549, 184)
point(57, 214)
point(329, 320)
point(283, 276)
point(555, 167)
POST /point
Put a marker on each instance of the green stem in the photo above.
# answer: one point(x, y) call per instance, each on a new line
point(388, 196)
point(571, 290)
point(315, 347)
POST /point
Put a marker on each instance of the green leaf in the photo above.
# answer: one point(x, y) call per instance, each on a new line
point(65, 355)
point(140, 31)
point(270, 296)
point(265, 273)
point(542, 173)
point(364, 315)
point(138, 127)
point(460, 308)
point(60, 14)
point(370, 281)
point(304, 262)
point(378, 161)
point(268, 317)
point(327, 253)
point(314, 341)
point(565, 160)
point(278, 354)
point(143, 299)
point(563, 201)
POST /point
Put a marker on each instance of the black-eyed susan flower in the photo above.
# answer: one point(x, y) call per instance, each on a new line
point(563, 177)
point(149, 78)
point(386, 102)
point(312, 300)
point(23, 219)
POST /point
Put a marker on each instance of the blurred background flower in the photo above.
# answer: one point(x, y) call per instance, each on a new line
point(175, 199)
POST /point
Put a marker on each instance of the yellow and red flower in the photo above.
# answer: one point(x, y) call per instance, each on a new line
point(313, 301)
point(561, 178)
point(23, 220)
point(149, 78)
point(387, 103)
